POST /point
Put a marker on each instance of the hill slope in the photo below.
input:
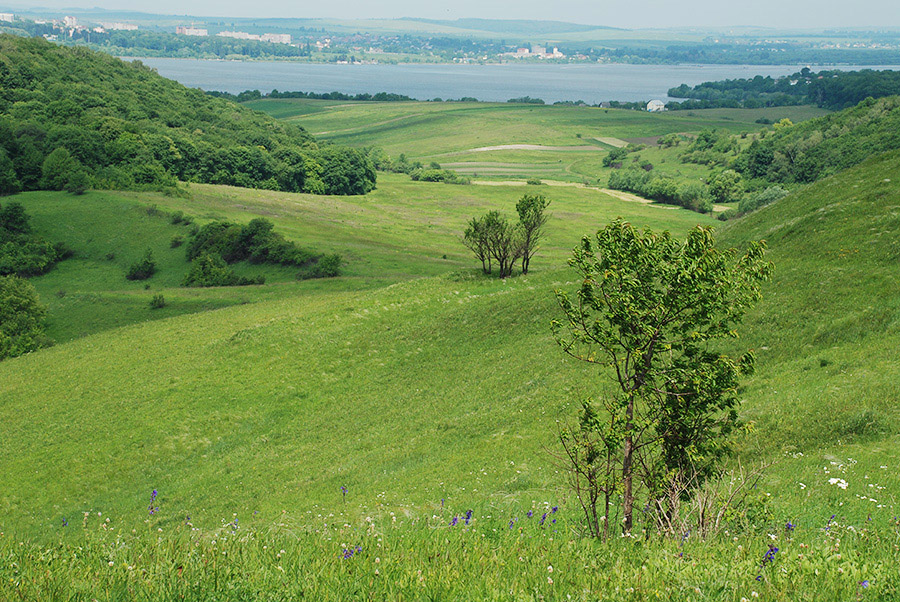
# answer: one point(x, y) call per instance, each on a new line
point(449, 387)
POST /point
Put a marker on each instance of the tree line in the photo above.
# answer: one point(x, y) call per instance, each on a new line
point(830, 89)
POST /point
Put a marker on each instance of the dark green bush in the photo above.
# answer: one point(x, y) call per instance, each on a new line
point(209, 269)
point(142, 269)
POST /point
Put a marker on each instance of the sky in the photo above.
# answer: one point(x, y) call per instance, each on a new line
point(782, 14)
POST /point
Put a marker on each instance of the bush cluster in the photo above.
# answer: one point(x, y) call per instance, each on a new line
point(209, 269)
point(21, 251)
point(257, 242)
point(665, 189)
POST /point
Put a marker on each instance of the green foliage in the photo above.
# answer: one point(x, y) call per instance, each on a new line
point(726, 186)
point(158, 301)
point(326, 266)
point(448, 176)
point(534, 181)
point(711, 147)
point(815, 149)
point(143, 268)
point(22, 318)
point(662, 188)
point(830, 89)
point(256, 242)
point(532, 219)
point(58, 168)
point(493, 239)
point(22, 252)
point(648, 308)
point(66, 110)
point(9, 181)
point(209, 269)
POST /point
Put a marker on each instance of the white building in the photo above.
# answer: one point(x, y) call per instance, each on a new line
point(119, 26)
point(191, 31)
point(655, 106)
point(70, 21)
point(276, 38)
point(8, 17)
point(238, 35)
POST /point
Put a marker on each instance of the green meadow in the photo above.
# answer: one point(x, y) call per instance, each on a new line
point(425, 389)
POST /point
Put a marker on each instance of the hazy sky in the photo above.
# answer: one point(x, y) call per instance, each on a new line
point(624, 13)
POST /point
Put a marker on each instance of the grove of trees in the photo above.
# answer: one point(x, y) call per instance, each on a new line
point(72, 118)
point(497, 242)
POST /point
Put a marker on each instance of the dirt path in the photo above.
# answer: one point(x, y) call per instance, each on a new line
point(535, 147)
point(611, 141)
point(368, 125)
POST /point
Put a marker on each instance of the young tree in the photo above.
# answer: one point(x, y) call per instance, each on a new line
point(475, 239)
point(648, 309)
point(21, 317)
point(504, 241)
point(532, 220)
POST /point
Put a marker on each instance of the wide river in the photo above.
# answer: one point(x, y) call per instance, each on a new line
point(592, 83)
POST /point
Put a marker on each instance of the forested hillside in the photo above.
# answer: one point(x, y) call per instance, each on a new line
point(73, 118)
point(809, 151)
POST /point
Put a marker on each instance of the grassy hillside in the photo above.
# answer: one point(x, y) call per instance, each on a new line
point(402, 230)
point(449, 387)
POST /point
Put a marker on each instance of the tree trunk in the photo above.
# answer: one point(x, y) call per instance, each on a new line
point(627, 470)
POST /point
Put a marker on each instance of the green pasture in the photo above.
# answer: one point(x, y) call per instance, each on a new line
point(400, 231)
point(430, 130)
point(450, 386)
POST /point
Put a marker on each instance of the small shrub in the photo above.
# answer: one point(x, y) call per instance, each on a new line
point(328, 266)
point(210, 269)
point(110, 256)
point(60, 293)
point(177, 241)
point(157, 301)
point(142, 269)
point(534, 181)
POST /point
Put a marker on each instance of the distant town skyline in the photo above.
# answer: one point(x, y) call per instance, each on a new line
point(781, 14)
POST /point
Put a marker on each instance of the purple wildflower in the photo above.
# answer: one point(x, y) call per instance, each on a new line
point(344, 492)
point(543, 518)
point(864, 583)
point(554, 509)
point(454, 522)
point(151, 508)
point(530, 513)
point(468, 516)
point(512, 522)
point(789, 526)
point(65, 522)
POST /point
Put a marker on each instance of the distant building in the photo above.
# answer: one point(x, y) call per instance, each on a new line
point(8, 17)
point(119, 26)
point(276, 38)
point(237, 35)
point(522, 52)
point(655, 106)
point(539, 50)
point(191, 31)
point(70, 21)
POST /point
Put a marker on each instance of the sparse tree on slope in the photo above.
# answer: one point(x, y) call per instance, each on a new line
point(532, 220)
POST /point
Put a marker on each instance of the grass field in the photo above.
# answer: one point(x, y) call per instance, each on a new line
point(448, 388)
point(427, 390)
point(572, 140)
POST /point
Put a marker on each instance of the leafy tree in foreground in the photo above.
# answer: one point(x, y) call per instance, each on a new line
point(648, 309)
point(21, 317)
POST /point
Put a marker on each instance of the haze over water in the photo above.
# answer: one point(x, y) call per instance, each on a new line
point(592, 83)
